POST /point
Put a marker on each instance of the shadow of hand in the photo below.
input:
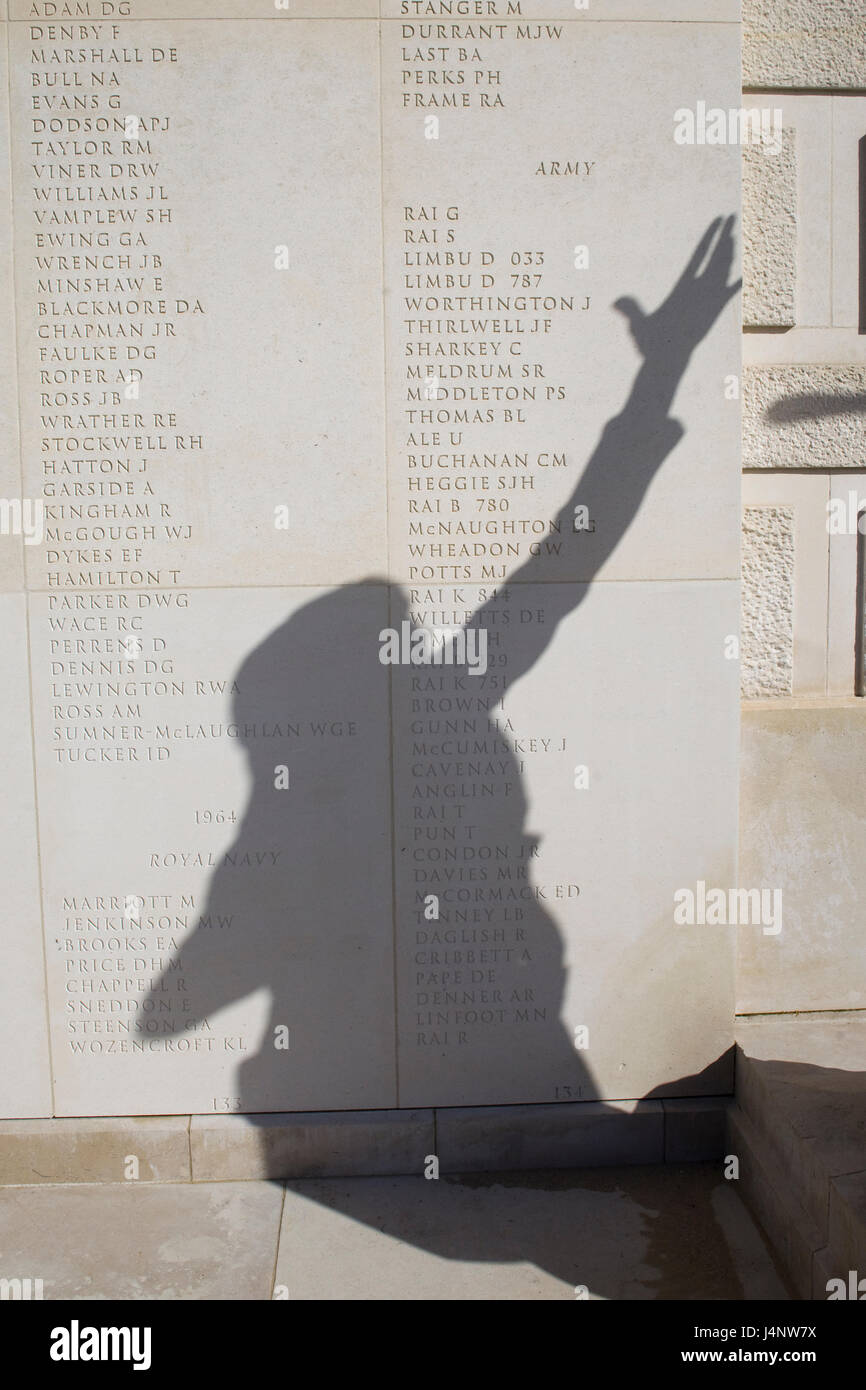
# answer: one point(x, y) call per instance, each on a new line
point(694, 303)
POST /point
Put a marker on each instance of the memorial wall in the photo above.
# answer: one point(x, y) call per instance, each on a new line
point(370, 554)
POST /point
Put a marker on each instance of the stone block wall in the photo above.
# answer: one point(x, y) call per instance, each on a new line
point(804, 348)
point(804, 486)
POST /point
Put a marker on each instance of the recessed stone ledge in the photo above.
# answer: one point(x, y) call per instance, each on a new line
point(695, 1128)
point(798, 1128)
point(770, 1197)
point(360, 1143)
point(338, 1144)
point(584, 1134)
point(95, 1150)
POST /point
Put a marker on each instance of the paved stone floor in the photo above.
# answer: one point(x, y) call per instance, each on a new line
point(666, 1232)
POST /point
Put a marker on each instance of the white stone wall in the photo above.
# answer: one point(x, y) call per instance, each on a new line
point(804, 375)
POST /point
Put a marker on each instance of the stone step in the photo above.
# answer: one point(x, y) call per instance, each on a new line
point(222, 1148)
point(794, 1237)
point(800, 1122)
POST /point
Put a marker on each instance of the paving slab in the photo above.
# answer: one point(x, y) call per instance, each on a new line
point(131, 1241)
point(654, 1232)
point(660, 1232)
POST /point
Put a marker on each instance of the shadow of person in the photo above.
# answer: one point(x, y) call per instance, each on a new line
point(317, 930)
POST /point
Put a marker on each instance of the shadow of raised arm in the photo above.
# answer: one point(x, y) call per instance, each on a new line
point(636, 442)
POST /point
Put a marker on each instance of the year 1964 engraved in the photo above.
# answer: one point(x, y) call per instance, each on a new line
point(226, 1102)
point(214, 817)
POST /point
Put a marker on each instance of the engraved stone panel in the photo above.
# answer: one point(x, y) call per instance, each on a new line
point(202, 881)
point(553, 826)
point(508, 334)
point(333, 324)
point(11, 543)
point(200, 318)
